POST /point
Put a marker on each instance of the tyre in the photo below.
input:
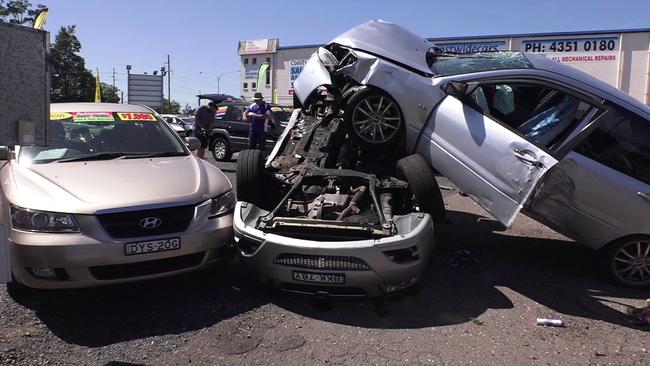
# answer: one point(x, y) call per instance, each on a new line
point(627, 261)
point(220, 149)
point(374, 119)
point(423, 185)
point(250, 176)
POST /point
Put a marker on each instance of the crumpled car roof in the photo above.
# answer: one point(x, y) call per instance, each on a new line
point(390, 41)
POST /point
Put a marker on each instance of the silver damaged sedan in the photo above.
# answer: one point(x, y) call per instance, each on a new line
point(517, 132)
point(116, 196)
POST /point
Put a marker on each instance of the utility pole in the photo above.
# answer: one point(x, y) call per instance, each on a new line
point(169, 87)
point(122, 97)
point(113, 77)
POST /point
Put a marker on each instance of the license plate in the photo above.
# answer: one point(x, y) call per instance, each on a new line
point(152, 246)
point(334, 278)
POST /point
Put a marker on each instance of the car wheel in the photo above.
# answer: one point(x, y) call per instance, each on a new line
point(627, 261)
point(220, 149)
point(422, 183)
point(373, 119)
point(250, 176)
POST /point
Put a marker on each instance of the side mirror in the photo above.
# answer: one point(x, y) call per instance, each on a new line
point(455, 88)
point(5, 153)
point(192, 143)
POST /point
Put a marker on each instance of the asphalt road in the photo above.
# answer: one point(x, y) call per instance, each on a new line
point(476, 309)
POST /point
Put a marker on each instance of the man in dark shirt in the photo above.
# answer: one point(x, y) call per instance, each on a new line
point(259, 113)
point(203, 119)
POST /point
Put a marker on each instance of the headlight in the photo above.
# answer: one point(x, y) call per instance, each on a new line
point(41, 221)
point(327, 58)
point(222, 204)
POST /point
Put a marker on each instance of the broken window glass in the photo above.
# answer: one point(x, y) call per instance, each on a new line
point(447, 64)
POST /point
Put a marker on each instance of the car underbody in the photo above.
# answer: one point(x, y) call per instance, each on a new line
point(322, 197)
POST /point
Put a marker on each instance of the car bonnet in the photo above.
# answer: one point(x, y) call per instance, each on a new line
point(88, 187)
point(390, 41)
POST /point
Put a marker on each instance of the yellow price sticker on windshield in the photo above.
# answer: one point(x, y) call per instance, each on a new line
point(136, 116)
point(56, 116)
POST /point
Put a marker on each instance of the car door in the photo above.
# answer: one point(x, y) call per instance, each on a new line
point(237, 128)
point(494, 140)
point(600, 191)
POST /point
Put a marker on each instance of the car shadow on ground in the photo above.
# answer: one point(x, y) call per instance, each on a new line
point(458, 287)
point(106, 315)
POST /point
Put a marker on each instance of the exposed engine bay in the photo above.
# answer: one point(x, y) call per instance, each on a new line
point(320, 183)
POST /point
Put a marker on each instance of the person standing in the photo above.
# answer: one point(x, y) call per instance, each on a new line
point(203, 119)
point(259, 112)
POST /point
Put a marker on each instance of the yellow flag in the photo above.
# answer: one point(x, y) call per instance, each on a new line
point(40, 19)
point(275, 96)
point(98, 92)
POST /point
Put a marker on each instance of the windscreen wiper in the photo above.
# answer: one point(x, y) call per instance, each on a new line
point(154, 155)
point(96, 156)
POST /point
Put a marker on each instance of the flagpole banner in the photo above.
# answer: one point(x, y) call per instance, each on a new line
point(261, 75)
point(40, 19)
point(98, 93)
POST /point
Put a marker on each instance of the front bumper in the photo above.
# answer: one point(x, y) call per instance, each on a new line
point(393, 263)
point(94, 258)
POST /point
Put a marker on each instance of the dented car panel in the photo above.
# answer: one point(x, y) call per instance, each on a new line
point(490, 163)
point(313, 75)
point(389, 41)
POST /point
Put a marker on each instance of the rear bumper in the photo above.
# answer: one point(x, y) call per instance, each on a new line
point(393, 263)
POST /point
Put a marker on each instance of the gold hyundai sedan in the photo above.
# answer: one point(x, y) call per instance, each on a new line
point(116, 196)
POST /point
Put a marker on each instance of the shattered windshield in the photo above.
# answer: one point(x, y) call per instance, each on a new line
point(454, 64)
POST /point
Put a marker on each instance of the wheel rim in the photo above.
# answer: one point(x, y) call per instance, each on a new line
point(219, 150)
point(631, 263)
point(376, 119)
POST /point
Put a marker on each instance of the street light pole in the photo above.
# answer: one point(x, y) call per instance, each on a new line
point(219, 78)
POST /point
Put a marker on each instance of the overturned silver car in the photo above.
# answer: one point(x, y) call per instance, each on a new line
point(515, 131)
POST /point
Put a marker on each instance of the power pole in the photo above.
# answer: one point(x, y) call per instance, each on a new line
point(169, 86)
point(122, 97)
point(113, 77)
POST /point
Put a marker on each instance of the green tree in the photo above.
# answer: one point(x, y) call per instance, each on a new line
point(174, 108)
point(188, 111)
point(18, 11)
point(109, 93)
point(71, 81)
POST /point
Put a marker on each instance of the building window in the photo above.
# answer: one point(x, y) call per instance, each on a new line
point(268, 59)
point(254, 85)
point(254, 60)
point(246, 61)
point(245, 85)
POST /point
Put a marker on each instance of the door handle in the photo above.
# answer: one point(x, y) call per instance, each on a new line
point(530, 160)
point(643, 195)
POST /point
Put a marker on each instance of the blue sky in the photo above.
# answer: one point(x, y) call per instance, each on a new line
point(203, 35)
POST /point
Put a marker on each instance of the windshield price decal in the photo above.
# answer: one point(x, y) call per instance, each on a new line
point(136, 116)
point(93, 117)
point(56, 116)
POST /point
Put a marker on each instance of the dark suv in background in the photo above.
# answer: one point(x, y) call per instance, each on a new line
point(230, 133)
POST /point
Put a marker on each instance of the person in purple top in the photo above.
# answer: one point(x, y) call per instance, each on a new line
point(259, 113)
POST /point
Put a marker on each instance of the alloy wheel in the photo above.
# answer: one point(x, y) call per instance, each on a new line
point(631, 262)
point(220, 150)
point(376, 119)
